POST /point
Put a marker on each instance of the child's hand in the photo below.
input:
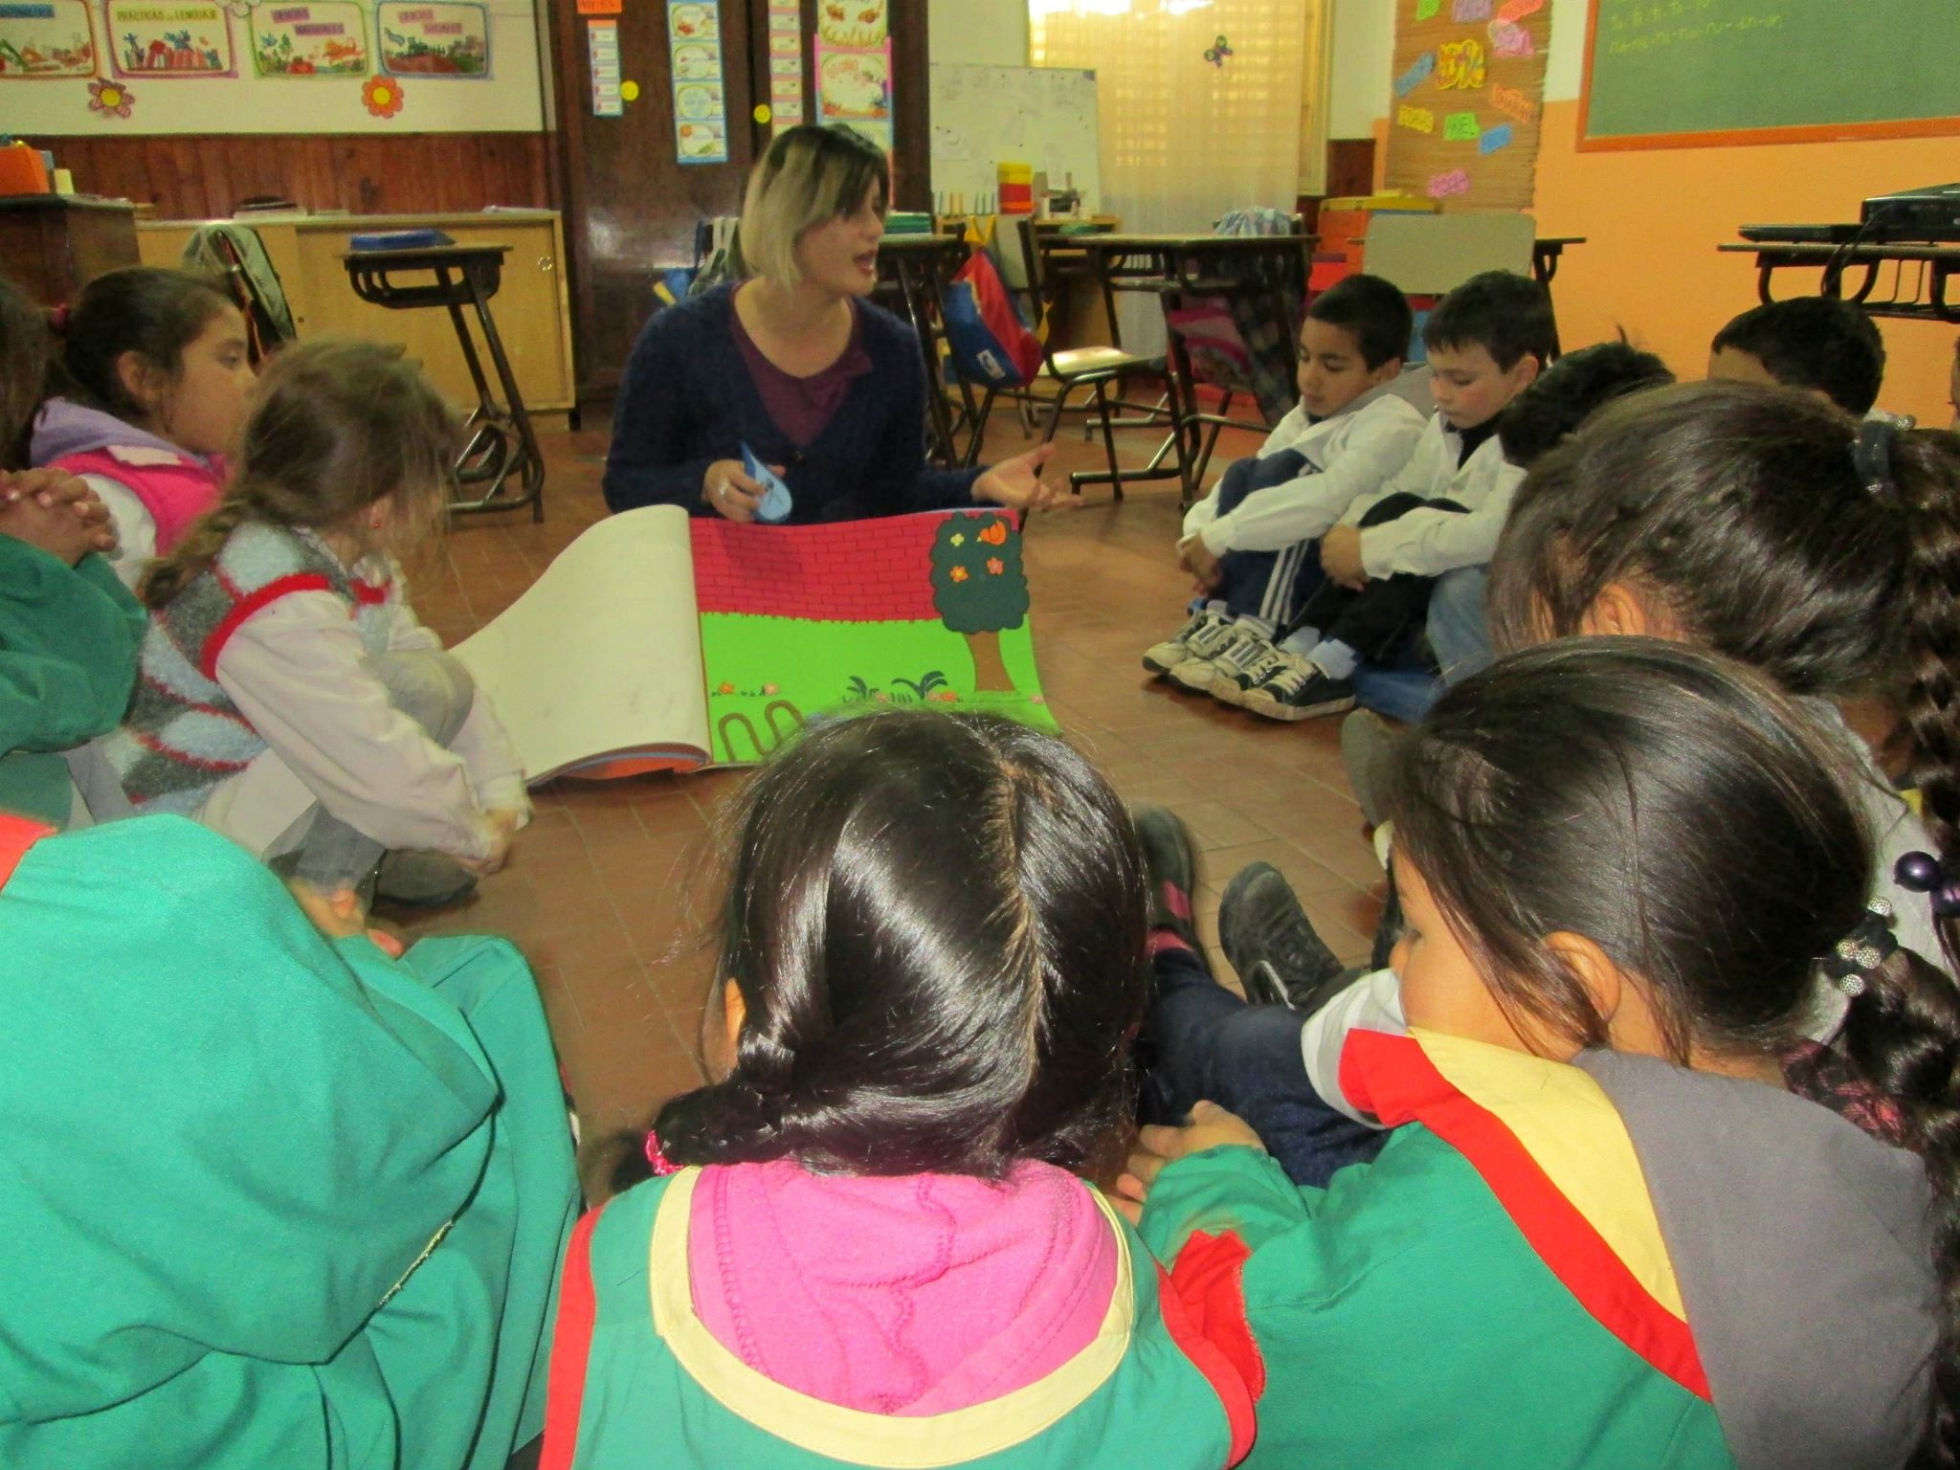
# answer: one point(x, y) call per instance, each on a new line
point(1210, 1127)
point(1340, 557)
point(338, 916)
point(1195, 557)
point(503, 831)
point(34, 505)
point(59, 531)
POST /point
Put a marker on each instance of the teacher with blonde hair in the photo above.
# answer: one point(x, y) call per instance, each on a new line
point(795, 364)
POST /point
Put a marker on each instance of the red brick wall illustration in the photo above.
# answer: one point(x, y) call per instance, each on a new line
point(856, 571)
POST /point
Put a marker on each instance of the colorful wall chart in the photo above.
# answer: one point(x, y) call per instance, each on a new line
point(47, 39)
point(787, 106)
point(700, 106)
point(1469, 90)
point(177, 41)
point(324, 39)
point(602, 47)
point(437, 40)
point(854, 67)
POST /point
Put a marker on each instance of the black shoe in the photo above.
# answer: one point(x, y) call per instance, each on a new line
point(1300, 691)
point(1170, 865)
point(1270, 941)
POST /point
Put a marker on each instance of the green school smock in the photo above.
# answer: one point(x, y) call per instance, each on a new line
point(270, 1200)
point(637, 1380)
point(69, 637)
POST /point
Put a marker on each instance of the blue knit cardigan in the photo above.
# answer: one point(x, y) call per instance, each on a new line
point(688, 400)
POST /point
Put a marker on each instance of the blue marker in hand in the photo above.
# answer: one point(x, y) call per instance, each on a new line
point(776, 503)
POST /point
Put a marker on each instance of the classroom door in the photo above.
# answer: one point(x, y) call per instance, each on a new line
point(630, 204)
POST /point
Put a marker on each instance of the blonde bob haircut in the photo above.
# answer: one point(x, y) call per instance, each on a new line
point(808, 176)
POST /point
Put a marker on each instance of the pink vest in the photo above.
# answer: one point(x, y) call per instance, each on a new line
point(175, 488)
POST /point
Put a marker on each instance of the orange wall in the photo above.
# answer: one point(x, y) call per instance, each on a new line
point(1653, 217)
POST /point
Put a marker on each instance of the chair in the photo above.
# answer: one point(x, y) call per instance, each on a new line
point(1075, 368)
point(236, 257)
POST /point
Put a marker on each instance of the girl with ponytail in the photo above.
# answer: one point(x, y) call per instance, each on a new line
point(871, 1242)
point(289, 698)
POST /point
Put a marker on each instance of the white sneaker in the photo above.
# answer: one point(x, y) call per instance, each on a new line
point(1161, 658)
point(1202, 655)
point(1244, 668)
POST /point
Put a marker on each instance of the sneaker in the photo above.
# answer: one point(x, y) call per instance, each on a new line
point(1204, 655)
point(1161, 658)
point(1299, 691)
point(1367, 743)
point(1271, 942)
point(1245, 665)
point(422, 880)
point(1170, 864)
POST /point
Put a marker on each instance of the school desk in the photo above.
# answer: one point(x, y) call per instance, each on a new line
point(52, 245)
point(502, 453)
point(1926, 268)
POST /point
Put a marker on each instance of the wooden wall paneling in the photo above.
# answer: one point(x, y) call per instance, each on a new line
point(199, 176)
point(1350, 167)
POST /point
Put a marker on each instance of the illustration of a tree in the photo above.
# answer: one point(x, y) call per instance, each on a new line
point(979, 589)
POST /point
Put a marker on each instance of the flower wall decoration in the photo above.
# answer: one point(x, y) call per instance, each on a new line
point(111, 99)
point(382, 96)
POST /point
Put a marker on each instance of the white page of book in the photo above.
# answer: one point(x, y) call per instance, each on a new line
point(601, 658)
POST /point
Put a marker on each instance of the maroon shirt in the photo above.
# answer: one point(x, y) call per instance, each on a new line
point(801, 407)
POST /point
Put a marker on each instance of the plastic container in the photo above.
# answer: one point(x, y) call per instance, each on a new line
point(23, 170)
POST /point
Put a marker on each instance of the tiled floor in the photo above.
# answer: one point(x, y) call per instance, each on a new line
point(608, 892)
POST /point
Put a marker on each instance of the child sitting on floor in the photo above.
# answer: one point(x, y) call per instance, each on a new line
point(1488, 340)
point(1816, 343)
point(870, 1245)
point(69, 630)
point(290, 699)
point(1626, 1214)
point(160, 369)
point(1251, 544)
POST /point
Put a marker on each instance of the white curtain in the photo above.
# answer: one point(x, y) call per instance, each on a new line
point(1185, 137)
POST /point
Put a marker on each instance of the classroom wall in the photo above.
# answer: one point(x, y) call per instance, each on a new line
point(978, 32)
point(1653, 217)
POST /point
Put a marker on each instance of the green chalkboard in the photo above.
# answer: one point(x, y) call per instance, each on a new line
point(1671, 72)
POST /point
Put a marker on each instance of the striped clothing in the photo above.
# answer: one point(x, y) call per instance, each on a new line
point(183, 734)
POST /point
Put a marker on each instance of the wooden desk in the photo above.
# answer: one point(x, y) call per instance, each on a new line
point(51, 245)
point(533, 305)
point(1928, 302)
point(1545, 253)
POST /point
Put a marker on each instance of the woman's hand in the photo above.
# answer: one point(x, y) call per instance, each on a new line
point(1210, 1127)
point(729, 491)
point(1016, 483)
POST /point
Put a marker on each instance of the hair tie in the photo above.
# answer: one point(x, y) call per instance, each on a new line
point(58, 319)
point(657, 1160)
point(1855, 957)
point(1871, 455)
point(1921, 872)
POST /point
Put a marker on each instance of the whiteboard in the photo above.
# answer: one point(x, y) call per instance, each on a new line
point(1038, 115)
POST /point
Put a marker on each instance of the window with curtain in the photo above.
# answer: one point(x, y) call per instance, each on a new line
point(1187, 137)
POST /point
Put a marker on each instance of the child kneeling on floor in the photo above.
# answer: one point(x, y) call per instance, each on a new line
point(1250, 544)
point(289, 698)
point(870, 1244)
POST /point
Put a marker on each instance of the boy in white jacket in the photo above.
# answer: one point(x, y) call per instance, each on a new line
point(1487, 340)
point(1249, 544)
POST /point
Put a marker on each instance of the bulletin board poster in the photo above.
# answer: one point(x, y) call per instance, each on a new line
point(854, 67)
point(700, 104)
point(437, 40)
point(46, 40)
point(1468, 101)
point(324, 39)
point(788, 103)
point(178, 40)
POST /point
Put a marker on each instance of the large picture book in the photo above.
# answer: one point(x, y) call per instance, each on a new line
point(656, 641)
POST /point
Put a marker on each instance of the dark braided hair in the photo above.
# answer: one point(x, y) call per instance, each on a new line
point(1744, 515)
point(936, 923)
